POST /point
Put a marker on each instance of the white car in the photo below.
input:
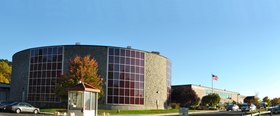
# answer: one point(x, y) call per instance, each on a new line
point(19, 107)
point(245, 107)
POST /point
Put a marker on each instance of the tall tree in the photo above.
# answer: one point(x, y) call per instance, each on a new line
point(7, 61)
point(267, 100)
point(5, 71)
point(233, 102)
point(84, 69)
point(185, 96)
point(211, 100)
point(275, 101)
point(256, 101)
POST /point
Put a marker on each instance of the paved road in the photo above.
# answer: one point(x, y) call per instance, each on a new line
point(21, 114)
point(219, 114)
point(226, 114)
point(272, 115)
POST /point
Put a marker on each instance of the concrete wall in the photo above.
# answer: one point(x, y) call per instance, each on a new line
point(20, 67)
point(155, 84)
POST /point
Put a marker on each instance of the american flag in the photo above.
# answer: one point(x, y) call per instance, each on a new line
point(215, 77)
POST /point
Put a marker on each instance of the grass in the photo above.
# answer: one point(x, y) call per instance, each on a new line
point(138, 111)
point(101, 111)
point(51, 110)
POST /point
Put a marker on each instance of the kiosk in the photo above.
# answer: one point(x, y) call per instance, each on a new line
point(82, 100)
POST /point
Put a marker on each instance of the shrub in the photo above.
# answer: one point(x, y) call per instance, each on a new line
point(185, 96)
point(211, 100)
point(212, 108)
point(194, 107)
point(175, 105)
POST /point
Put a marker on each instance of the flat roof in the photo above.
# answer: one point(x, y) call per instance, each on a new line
point(204, 87)
point(153, 52)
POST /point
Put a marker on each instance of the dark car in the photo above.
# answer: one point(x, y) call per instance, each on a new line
point(275, 109)
point(4, 104)
point(19, 107)
point(232, 107)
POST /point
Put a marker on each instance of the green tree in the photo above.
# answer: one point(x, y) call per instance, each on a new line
point(267, 100)
point(5, 71)
point(211, 100)
point(256, 101)
point(185, 96)
point(84, 69)
point(234, 102)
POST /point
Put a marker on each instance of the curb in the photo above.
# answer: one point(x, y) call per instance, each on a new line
point(203, 112)
point(256, 114)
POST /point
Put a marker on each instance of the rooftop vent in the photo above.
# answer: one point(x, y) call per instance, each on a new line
point(77, 43)
point(128, 47)
point(156, 52)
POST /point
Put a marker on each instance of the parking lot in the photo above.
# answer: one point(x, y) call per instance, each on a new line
point(21, 114)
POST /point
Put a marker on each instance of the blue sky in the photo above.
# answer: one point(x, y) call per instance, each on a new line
point(238, 40)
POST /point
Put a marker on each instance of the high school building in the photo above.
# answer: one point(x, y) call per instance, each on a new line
point(133, 79)
point(226, 96)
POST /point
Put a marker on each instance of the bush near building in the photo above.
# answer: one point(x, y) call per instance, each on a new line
point(211, 100)
point(185, 96)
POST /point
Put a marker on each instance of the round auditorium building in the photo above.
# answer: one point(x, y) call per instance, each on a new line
point(132, 79)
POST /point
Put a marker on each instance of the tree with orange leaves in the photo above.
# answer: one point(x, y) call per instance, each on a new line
point(84, 69)
point(275, 101)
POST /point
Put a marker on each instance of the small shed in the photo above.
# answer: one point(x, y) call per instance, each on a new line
point(4, 91)
point(83, 100)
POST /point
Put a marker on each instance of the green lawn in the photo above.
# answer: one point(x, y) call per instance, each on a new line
point(51, 109)
point(100, 111)
point(138, 111)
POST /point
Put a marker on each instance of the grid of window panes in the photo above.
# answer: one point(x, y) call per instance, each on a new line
point(45, 68)
point(168, 74)
point(125, 76)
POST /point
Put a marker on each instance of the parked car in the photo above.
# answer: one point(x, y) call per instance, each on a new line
point(19, 107)
point(275, 109)
point(4, 104)
point(232, 107)
point(245, 107)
